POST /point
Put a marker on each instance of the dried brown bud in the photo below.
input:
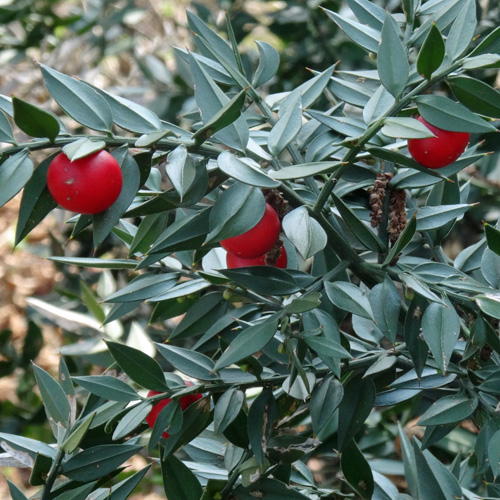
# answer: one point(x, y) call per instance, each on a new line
point(397, 215)
point(377, 195)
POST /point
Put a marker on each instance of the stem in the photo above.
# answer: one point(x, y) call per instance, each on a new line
point(52, 475)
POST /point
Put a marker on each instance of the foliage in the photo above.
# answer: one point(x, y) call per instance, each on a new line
point(329, 359)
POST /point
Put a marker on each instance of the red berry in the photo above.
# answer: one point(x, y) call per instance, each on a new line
point(184, 401)
point(233, 262)
point(439, 151)
point(88, 185)
point(258, 240)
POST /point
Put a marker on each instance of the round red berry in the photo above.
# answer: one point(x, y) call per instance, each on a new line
point(184, 401)
point(88, 185)
point(439, 151)
point(258, 240)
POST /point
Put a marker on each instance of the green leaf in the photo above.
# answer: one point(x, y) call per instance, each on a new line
point(392, 61)
point(431, 54)
point(140, 367)
point(227, 115)
point(91, 302)
point(267, 280)
point(448, 410)
point(489, 304)
point(356, 470)
point(96, 263)
point(368, 13)
point(245, 170)
point(54, 398)
point(304, 232)
point(169, 419)
point(405, 128)
point(494, 453)
point(378, 105)
point(350, 298)
point(450, 115)
point(150, 228)
point(403, 241)
point(288, 126)
point(304, 170)
point(179, 482)
point(462, 30)
point(36, 201)
point(325, 401)
point(429, 218)
point(15, 492)
point(144, 287)
point(269, 61)
point(35, 121)
point(192, 363)
point(82, 148)
point(386, 303)
point(236, 211)
point(6, 134)
point(481, 61)
point(434, 479)
point(412, 329)
point(327, 347)
point(182, 290)
point(227, 409)
point(98, 461)
point(214, 40)
point(478, 96)
point(441, 328)
point(304, 303)
point(360, 34)
point(105, 221)
point(123, 489)
point(180, 169)
point(78, 100)
point(129, 115)
point(490, 44)
point(261, 417)
point(362, 233)
point(30, 446)
point(210, 100)
point(76, 436)
point(15, 172)
point(356, 405)
point(249, 341)
point(108, 387)
point(410, 465)
point(131, 420)
point(492, 237)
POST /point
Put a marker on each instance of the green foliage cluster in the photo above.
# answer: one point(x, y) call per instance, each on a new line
point(330, 358)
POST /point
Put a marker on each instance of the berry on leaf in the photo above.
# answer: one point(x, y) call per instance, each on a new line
point(88, 185)
point(439, 151)
point(184, 401)
point(258, 240)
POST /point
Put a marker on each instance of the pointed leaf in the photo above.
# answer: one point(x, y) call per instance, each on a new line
point(35, 121)
point(462, 30)
point(180, 169)
point(325, 401)
point(269, 61)
point(478, 96)
point(431, 53)
point(356, 470)
point(448, 410)
point(179, 482)
point(245, 170)
point(288, 125)
point(227, 409)
point(386, 302)
point(350, 298)
point(14, 174)
point(107, 387)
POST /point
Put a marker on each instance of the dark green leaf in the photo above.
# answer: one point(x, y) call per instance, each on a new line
point(107, 387)
point(78, 100)
point(325, 401)
point(98, 461)
point(54, 398)
point(450, 115)
point(392, 61)
point(249, 341)
point(492, 237)
point(15, 492)
point(261, 417)
point(478, 96)
point(245, 170)
point(131, 420)
point(144, 287)
point(179, 482)
point(356, 405)
point(350, 298)
point(236, 211)
point(6, 134)
point(76, 436)
point(150, 228)
point(14, 174)
point(96, 263)
point(35, 121)
point(105, 221)
point(181, 170)
point(449, 409)
point(269, 61)
point(441, 328)
point(386, 302)
point(489, 44)
point(191, 363)
point(494, 453)
point(141, 368)
point(362, 233)
point(431, 54)
point(462, 30)
point(227, 409)
point(356, 470)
